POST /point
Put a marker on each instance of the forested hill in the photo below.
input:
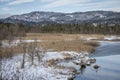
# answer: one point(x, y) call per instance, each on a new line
point(40, 18)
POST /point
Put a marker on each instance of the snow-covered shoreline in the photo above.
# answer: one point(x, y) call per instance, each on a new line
point(105, 38)
point(41, 70)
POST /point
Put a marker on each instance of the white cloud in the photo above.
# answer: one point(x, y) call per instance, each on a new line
point(4, 0)
point(84, 5)
point(63, 5)
point(58, 3)
point(46, 0)
point(15, 2)
point(6, 9)
point(103, 5)
point(116, 9)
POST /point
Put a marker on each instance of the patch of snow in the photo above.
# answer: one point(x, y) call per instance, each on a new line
point(100, 15)
point(105, 38)
point(75, 54)
point(69, 65)
point(6, 43)
point(71, 53)
point(28, 41)
point(70, 16)
point(95, 24)
point(110, 37)
point(53, 55)
point(89, 38)
point(53, 18)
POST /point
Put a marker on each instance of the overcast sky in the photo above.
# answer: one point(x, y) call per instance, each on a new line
point(25, 6)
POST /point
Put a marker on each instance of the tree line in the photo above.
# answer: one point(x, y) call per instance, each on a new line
point(8, 30)
point(83, 28)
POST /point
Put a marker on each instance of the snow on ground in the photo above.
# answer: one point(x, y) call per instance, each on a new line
point(88, 38)
point(11, 70)
point(111, 38)
point(6, 43)
point(53, 18)
point(69, 65)
point(74, 54)
point(53, 55)
point(70, 15)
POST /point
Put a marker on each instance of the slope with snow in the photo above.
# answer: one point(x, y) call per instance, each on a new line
point(79, 17)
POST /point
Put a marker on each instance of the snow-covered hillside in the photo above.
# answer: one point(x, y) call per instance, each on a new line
point(55, 17)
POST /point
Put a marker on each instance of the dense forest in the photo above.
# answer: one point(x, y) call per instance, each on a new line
point(7, 30)
point(85, 28)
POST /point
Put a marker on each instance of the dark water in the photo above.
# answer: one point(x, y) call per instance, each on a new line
point(108, 58)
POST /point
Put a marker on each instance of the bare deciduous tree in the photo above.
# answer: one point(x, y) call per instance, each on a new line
point(0, 63)
point(32, 49)
point(40, 53)
point(24, 47)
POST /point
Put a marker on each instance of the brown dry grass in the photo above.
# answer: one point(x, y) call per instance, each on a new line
point(63, 42)
point(74, 45)
point(67, 56)
point(7, 52)
point(60, 36)
point(58, 42)
point(51, 62)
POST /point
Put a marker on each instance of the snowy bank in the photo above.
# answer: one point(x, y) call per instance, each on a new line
point(11, 70)
point(111, 38)
point(105, 38)
point(62, 70)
